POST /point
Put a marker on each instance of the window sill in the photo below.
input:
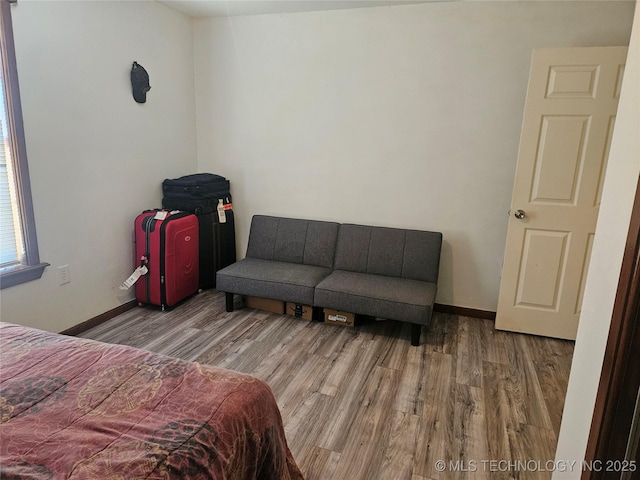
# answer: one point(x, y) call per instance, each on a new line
point(18, 275)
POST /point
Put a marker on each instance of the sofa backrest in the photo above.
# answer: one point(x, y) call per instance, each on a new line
point(309, 242)
point(394, 252)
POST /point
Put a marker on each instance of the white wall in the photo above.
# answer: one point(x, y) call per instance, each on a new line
point(96, 157)
point(404, 116)
point(604, 270)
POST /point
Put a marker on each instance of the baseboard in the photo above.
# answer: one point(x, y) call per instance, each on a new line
point(114, 312)
point(464, 312)
point(103, 317)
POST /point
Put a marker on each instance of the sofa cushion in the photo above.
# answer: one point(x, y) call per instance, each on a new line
point(377, 295)
point(262, 237)
point(393, 252)
point(292, 240)
point(352, 248)
point(290, 282)
point(421, 255)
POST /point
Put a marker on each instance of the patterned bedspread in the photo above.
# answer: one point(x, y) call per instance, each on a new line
point(80, 409)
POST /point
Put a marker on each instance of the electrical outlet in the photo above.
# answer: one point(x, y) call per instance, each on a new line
point(64, 276)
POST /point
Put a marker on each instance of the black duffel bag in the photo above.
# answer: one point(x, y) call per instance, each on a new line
point(196, 184)
point(199, 193)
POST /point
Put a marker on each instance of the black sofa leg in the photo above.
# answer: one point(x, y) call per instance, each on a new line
point(416, 330)
point(229, 300)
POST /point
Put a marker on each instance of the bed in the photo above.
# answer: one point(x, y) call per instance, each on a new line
point(80, 409)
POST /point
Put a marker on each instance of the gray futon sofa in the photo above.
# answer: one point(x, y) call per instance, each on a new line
point(286, 258)
point(377, 271)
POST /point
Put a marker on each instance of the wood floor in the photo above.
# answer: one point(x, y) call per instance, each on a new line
point(363, 404)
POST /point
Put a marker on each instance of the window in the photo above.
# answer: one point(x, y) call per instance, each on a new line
point(19, 259)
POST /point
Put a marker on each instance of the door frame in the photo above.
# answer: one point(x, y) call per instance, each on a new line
point(620, 377)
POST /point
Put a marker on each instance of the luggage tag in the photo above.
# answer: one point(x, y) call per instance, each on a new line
point(137, 273)
point(222, 216)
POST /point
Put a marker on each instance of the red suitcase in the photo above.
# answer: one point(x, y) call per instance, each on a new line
point(167, 244)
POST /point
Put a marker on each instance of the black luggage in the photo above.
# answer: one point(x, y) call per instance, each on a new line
point(209, 197)
point(219, 250)
point(198, 193)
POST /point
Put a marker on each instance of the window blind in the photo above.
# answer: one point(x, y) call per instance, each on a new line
point(11, 249)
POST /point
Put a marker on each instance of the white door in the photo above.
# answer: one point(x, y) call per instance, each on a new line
point(569, 117)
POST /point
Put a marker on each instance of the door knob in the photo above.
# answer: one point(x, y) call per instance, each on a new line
point(519, 214)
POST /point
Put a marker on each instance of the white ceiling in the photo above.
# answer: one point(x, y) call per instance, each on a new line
point(225, 8)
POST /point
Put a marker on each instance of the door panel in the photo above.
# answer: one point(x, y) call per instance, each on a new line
point(566, 132)
point(544, 256)
point(605, 160)
point(560, 159)
point(572, 81)
point(583, 276)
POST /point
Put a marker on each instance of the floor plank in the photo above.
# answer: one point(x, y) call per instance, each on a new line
point(435, 435)
point(363, 404)
point(469, 358)
point(398, 457)
point(321, 463)
point(364, 446)
point(470, 441)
